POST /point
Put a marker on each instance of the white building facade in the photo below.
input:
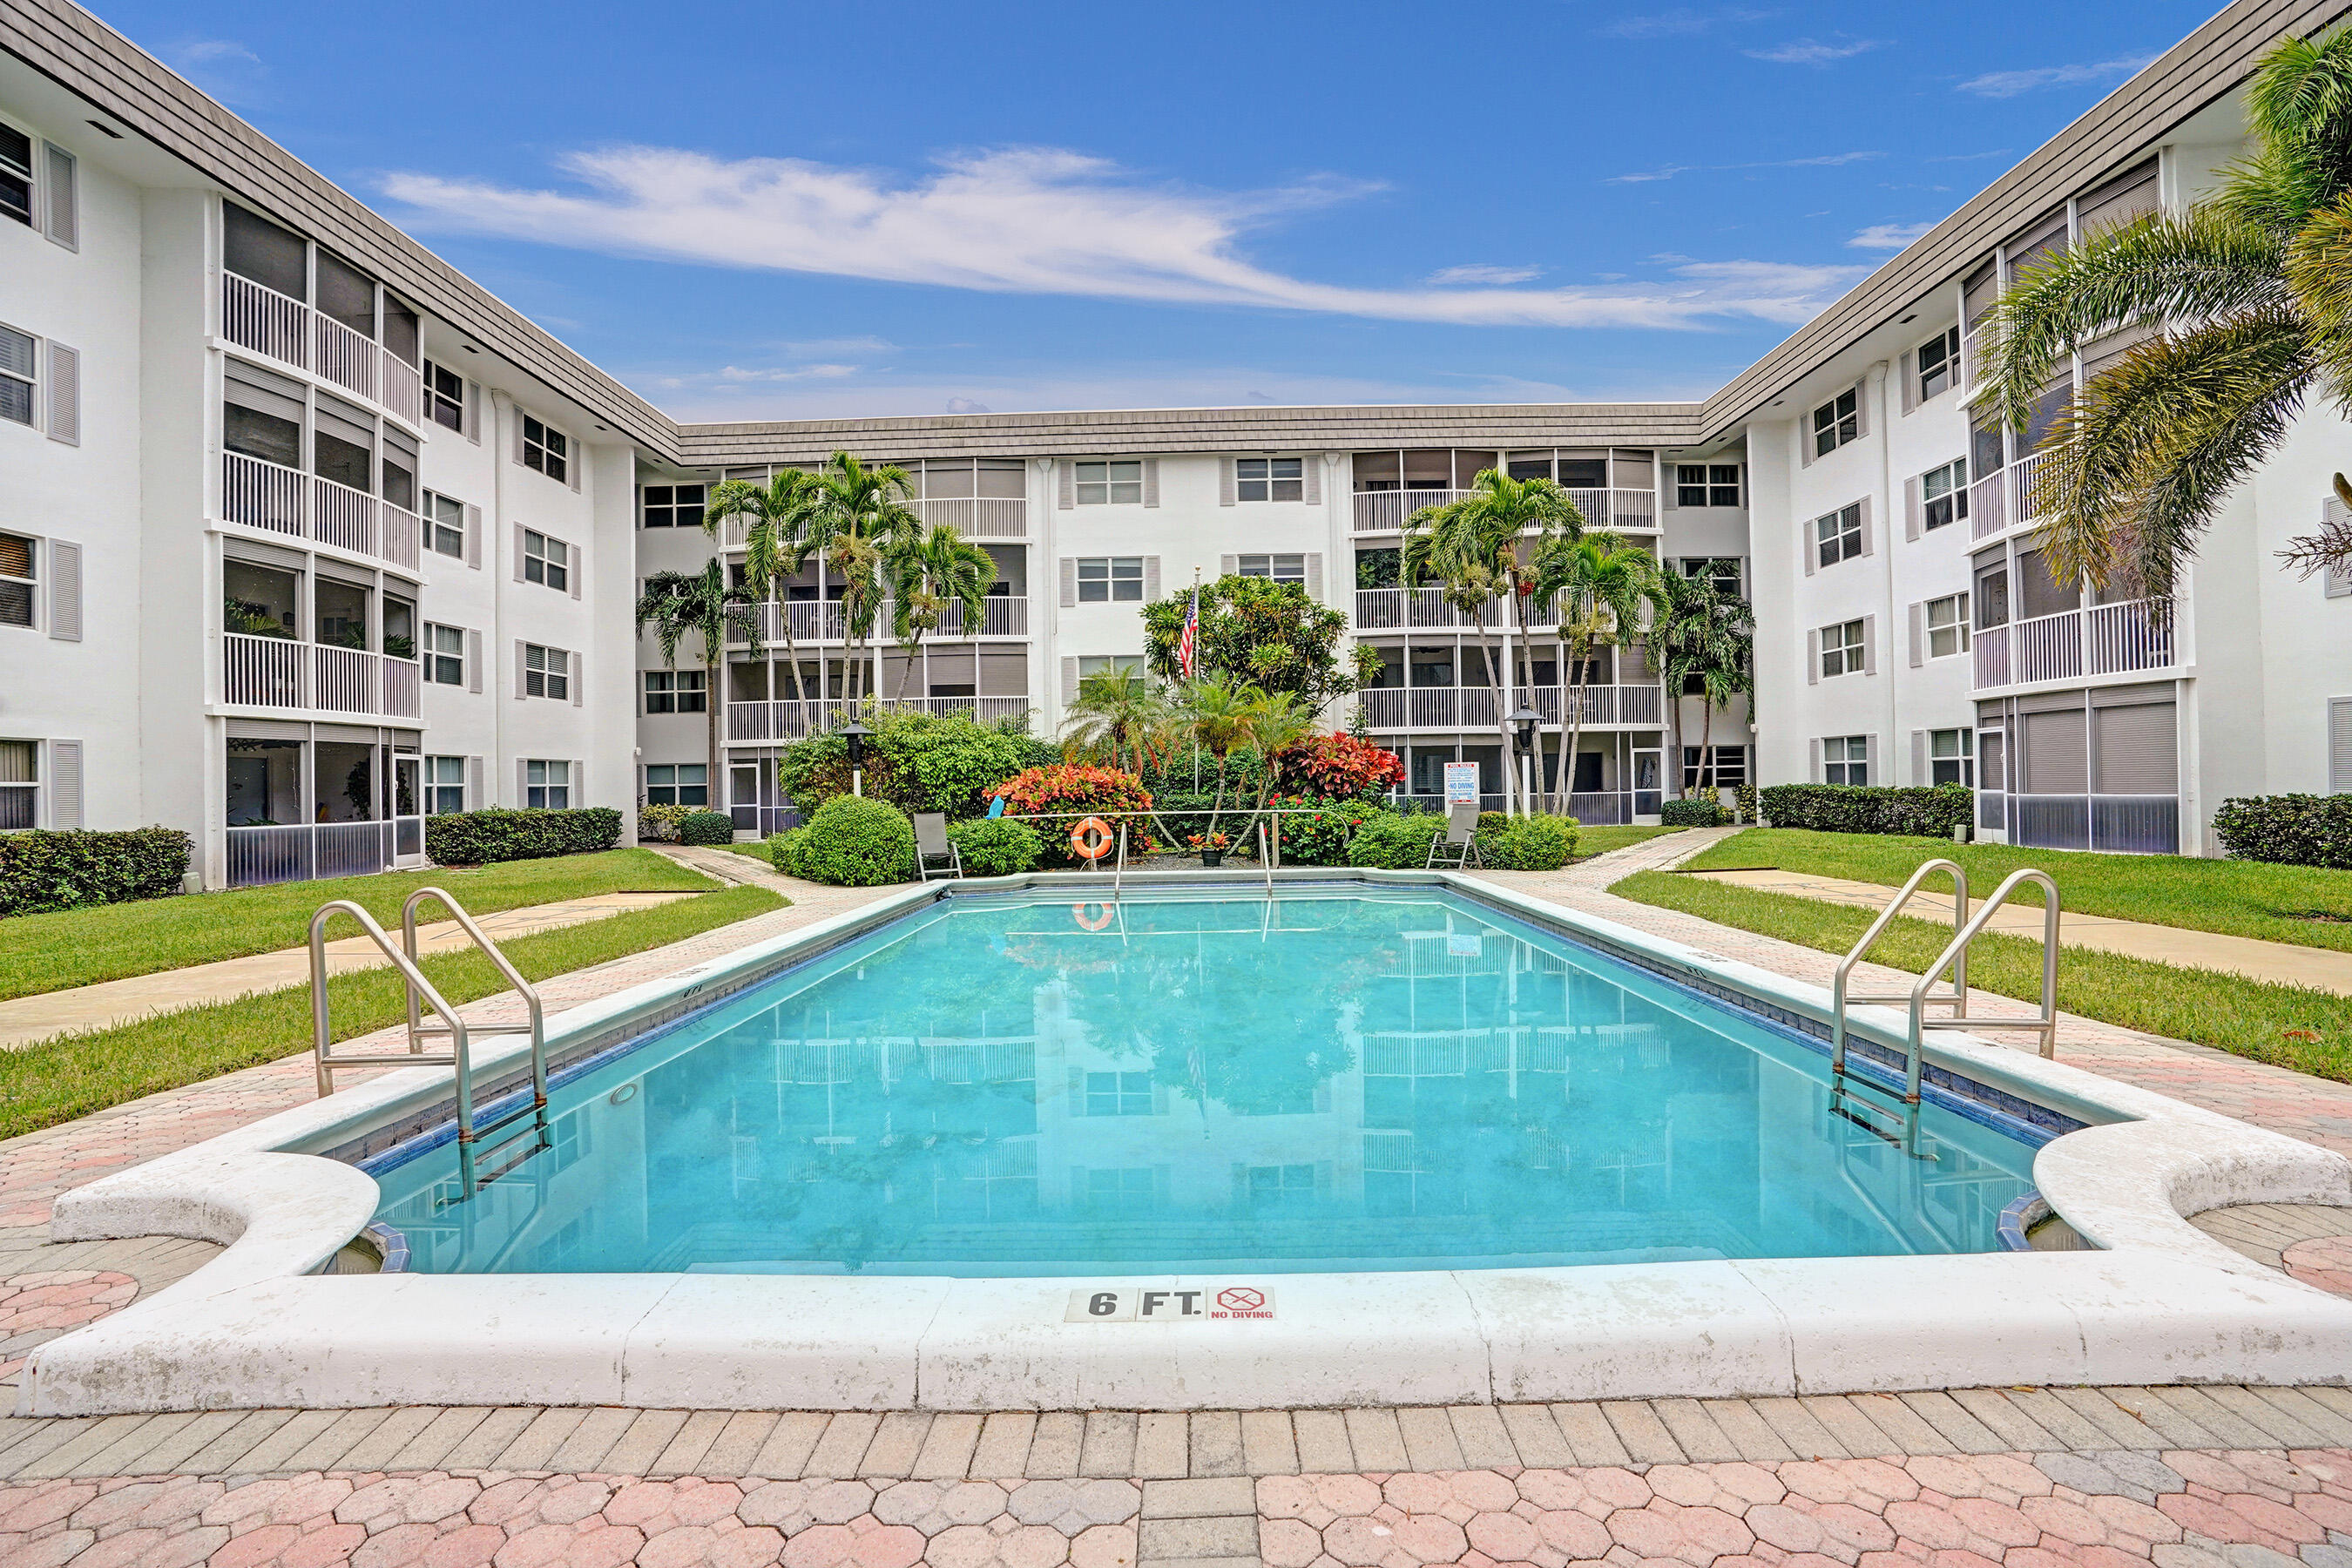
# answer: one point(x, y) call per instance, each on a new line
point(304, 536)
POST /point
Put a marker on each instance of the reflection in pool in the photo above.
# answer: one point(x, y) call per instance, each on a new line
point(1336, 1081)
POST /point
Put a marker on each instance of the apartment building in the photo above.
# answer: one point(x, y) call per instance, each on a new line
point(304, 536)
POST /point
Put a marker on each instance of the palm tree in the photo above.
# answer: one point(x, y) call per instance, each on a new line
point(677, 603)
point(857, 515)
point(1218, 716)
point(1602, 586)
point(1474, 549)
point(1117, 708)
point(775, 521)
point(1279, 721)
point(1708, 635)
point(2249, 296)
point(929, 570)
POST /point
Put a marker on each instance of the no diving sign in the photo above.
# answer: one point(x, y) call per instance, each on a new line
point(1172, 1304)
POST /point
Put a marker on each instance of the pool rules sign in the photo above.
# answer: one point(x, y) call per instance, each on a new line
point(1172, 1304)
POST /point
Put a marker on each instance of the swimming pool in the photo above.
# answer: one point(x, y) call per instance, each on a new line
point(1336, 1079)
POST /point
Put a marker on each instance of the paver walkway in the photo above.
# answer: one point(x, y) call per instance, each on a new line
point(2326, 968)
point(24, 1020)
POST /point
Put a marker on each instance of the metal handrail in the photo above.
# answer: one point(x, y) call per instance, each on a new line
point(321, 1034)
point(1840, 998)
point(1119, 875)
point(1265, 864)
point(536, 1013)
point(2045, 1024)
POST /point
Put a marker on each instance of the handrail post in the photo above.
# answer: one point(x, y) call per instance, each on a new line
point(1119, 876)
point(1869, 938)
point(1264, 864)
point(2045, 1024)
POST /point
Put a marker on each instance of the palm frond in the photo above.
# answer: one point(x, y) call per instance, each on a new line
point(2318, 269)
point(2299, 111)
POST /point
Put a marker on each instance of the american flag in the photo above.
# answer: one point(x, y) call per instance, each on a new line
point(1187, 644)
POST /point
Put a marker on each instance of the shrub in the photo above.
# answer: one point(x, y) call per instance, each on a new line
point(43, 870)
point(945, 763)
point(660, 823)
point(1315, 832)
point(705, 827)
point(1071, 787)
point(1871, 808)
point(854, 842)
point(1746, 795)
point(782, 847)
point(2287, 829)
point(1387, 841)
point(480, 838)
point(1692, 813)
point(995, 847)
point(1527, 843)
point(1340, 767)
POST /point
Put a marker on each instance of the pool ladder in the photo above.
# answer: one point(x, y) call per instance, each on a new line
point(1953, 959)
point(423, 993)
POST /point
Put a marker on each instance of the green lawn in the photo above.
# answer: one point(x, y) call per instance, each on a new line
point(60, 1079)
point(1591, 841)
point(2246, 1017)
point(82, 947)
point(2239, 898)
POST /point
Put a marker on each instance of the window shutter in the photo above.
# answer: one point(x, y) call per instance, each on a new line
point(1818, 774)
point(1812, 659)
point(65, 393)
point(516, 451)
point(474, 537)
point(477, 780)
point(1910, 382)
point(1315, 577)
point(1151, 579)
point(1069, 483)
point(1225, 481)
point(522, 669)
point(473, 661)
point(1861, 410)
point(522, 782)
point(579, 677)
point(1807, 546)
point(578, 564)
point(2339, 579)
point(1069, 581)
point(2339, 745)
point(1805, 440)
point(61, 214)
point(1870, 645)
point(578, 796)
point(1069, 681)
point(573, 460)
point(1919, 756)
point(1869, 760)
point(1228, 564)
point(1919, 634)
point(518, 553)
point(1911, 507)
point(1151, 482)
point(1311, 471)
point(1869, 528)
point(469, 417)
point(1669, 472)
point(65, 785)
point(65, 590)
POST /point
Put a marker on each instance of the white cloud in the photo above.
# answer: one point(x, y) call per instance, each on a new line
point(1038, 221)
point(1482, 272)
point(1812, 52)
point(223, 67)
point(1678, 24)
point(1888, 236)
point(966, 406)
point(2009, 84)
point(1668, 171)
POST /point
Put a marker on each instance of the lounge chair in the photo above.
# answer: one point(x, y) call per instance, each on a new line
point(1457, 847)
point(935, 853)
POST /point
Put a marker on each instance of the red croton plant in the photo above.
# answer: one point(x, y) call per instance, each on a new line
point(1340, 767)
point(1067, 792)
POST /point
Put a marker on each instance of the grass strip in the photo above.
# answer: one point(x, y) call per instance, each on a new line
point(56, 952)
point(2301, 905)
point(1591, 841)
point(2285, 1025)
point(74, 1075)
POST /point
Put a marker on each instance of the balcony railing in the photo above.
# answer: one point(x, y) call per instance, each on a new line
point(974, 517)
point(821, 621)
point(1622, 510)
point(2104, 639)
point(254, 316)
point(1593, 809)
point(1999, 500)
point(1001, 616)
point(1473, 707)
point(1425, 609)
point(279, 672)
point(261, 494)
point(300, 852)
point(790, 719)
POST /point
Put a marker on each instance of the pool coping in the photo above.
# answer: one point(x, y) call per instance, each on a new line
point(2153, 1301)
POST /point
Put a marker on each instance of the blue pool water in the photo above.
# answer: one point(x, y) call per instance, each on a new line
point(1341, 1081)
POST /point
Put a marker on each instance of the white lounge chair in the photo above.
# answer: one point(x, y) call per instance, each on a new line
point(935, 853)
point(1457, 847)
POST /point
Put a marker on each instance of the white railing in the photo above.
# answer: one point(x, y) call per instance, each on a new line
point(257, 317)
point(2006, 498)
point(261, 494)
point(344, 679)
point(1968, 350)
point(404, 533)
point(976, 517)
point(404, 388)
point(404, 688)
point(279, 672)
point(790, 719)
point(346, 357)
point(1473, 707)
point(264, 672)
point(1001, 616)
point(1638, 705)
point(1415, 609)
point(821, 621)
point(1991, 656)
point(2104, 639)
point(1621, 509)
point(342, 516)
point(1384, 511)
point(260, 318)
point(813, 621)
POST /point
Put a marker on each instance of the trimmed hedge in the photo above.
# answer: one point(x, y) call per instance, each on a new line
point(1871, 808)
point(992, 846)
point(1527, 843)
point(705, 827)
point(2287, 829)
point(1389, 842)
point(482, 837)
point(782, 846)
point(41, 872)
point(658, 824)
point(1315, 830)
point(1692, 813)
point(852, 842)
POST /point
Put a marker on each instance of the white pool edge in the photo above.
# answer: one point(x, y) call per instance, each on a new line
point(2161, 1302)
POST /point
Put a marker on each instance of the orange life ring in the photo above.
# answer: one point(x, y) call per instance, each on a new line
point(1101, 918)
point(1092, 838)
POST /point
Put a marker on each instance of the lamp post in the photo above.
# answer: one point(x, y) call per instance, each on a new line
point(1524, 722)
point(856, 735)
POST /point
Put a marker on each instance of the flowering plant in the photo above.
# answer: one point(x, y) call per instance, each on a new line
point(1209, 840)
point(1340, 767)
point(1067, 792)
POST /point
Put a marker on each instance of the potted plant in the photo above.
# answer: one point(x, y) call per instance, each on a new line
point(1212, 845)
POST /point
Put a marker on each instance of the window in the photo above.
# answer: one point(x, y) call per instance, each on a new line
point(1939, 363)
point(1731, 767)
point(547, 786)
point(1841, 649)
point(674, 506)
point(1838, 536)
point(675, 691)
point(20, 784)
point(1108, 579)
point(1723, 569)
point(444, 785)
point(1947, 626)
point(445, 525)
point(1281, 568)
point(546, 450)
point(677, 783)
point(1845, 760)
point(15, 175)
point(19, 353)
point(546, 559)
point(444, 654)
point(547, 672)
point(1281, 1187)
point(15, 580)
point(1269, 479)
point(1119, 1192)
point(1944, 494)
point(1104, 663)
point(1836, 422)
point(1952, 757)
point(1111, 484)
point(444, 397)
point(1118, 1094)
point(1707, 484)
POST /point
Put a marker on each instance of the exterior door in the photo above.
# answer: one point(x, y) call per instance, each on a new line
point(407, 810)
point(1649, 780)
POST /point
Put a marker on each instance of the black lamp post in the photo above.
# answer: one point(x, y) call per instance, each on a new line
point(1524, 722)
point(856, 734)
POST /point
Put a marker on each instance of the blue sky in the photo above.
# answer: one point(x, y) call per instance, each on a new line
point(817, 210)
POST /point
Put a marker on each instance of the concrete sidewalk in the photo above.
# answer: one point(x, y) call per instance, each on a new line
point(2323, 968)
point(27, 1020)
